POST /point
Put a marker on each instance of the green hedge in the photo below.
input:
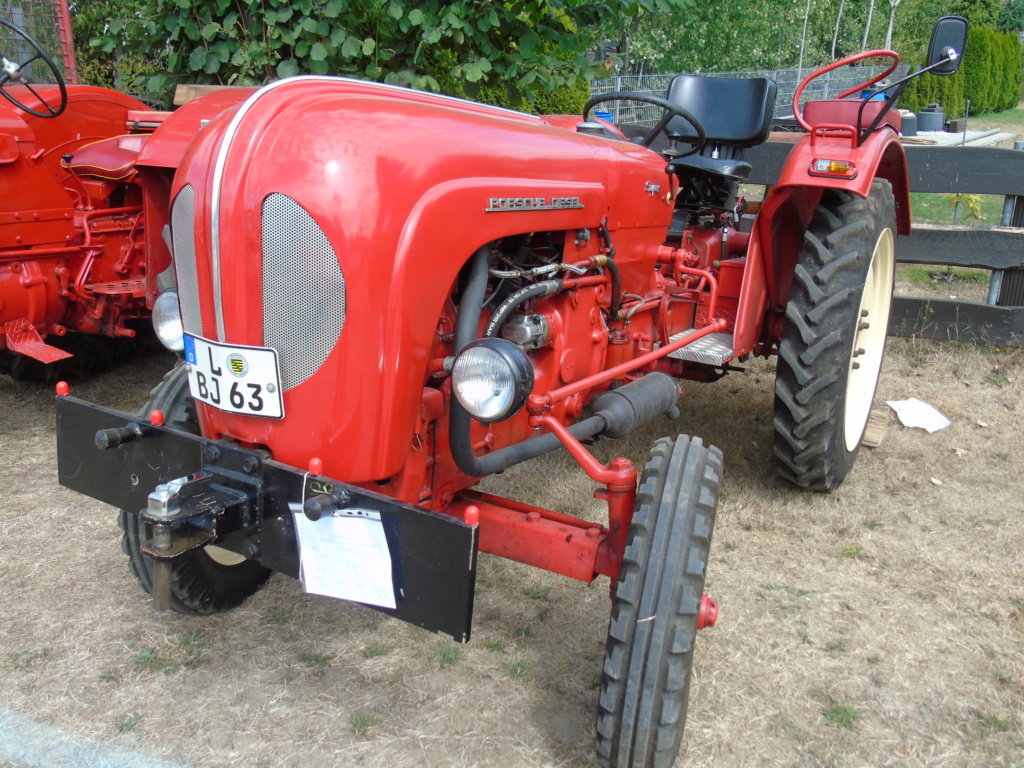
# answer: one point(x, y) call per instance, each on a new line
point(567, 100)
point(990, 77)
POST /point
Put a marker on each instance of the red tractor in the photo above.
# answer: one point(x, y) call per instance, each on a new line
point(76, 258)
point(386, 295)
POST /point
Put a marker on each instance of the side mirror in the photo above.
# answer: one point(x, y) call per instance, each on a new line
point(948, 40)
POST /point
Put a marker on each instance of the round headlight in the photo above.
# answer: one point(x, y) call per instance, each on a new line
point(167, 320)
point(491, 379)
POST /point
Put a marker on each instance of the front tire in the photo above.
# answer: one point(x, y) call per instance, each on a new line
point(209, 580)
point(645, 684)
point(830, 355)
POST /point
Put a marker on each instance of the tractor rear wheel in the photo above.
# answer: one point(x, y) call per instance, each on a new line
point(206, 581)
point(830, 354)
point(645, 683)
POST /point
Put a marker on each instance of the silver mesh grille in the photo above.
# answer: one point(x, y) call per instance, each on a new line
point(183, 241)
point(303, 289)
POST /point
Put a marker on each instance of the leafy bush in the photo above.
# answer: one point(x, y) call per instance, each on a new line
point(521, 48)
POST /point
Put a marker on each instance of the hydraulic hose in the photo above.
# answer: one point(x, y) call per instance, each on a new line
point(506, 308)
point(616, 300)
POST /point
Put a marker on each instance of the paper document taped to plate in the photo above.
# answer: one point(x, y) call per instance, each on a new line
point(345, 555)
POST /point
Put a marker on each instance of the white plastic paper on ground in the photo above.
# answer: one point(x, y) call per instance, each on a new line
point(917, 413)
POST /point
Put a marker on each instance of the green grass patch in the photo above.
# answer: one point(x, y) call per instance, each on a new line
point(842, 716)
point(855, 552)
point(991, 721)
point(148, 660)
point(126, 724)
point(514, 669)
point(193, 644)
point(929, 208)
point(495, 644)
point(361, 724)
point(375, 649)
point(447, 653)
point(314, 659)
point(522, 633)
point(279, 614)
point(22, 660)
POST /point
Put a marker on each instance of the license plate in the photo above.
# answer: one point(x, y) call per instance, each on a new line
point(233, 378)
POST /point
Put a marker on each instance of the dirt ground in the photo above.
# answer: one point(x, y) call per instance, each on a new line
point(880, 625)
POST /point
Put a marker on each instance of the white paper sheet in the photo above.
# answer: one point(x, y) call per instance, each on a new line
point(345, 555)
point(916, 413)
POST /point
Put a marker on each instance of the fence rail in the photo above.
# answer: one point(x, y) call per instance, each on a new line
point(828, 86)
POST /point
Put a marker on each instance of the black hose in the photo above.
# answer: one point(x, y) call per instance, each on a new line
point(471, 304)
point(613, 268)
point(523, 294)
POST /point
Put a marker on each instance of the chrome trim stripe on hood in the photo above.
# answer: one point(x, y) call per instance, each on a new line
point(225, 146)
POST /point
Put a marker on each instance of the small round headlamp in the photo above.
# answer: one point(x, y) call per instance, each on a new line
point(491, 379)
point(167, 320)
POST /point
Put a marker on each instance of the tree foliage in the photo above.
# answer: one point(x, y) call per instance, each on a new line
point(520, 47)
point(1011, 16)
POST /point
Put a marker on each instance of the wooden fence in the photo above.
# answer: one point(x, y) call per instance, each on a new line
point(971, 170)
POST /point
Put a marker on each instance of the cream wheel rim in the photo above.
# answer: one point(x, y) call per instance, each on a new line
point(223, 556)
point(869, 340)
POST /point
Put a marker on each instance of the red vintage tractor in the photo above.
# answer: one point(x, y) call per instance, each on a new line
point(76, 258)
point(386, 295)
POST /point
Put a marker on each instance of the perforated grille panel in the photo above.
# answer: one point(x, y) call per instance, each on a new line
point(303, 289)
point(183, 239)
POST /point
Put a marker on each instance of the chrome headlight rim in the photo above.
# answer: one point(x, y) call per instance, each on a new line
point(166, 318)
point(519, 380)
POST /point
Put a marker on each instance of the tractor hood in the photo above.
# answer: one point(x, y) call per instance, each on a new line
point(328, 219)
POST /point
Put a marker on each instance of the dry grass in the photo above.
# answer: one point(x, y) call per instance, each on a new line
point(880, 625)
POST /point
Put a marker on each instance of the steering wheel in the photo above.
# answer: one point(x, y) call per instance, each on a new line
point(14, 73)
point(850, 91)
point(671, 111)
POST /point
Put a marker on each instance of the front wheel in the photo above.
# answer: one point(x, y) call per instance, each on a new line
point(205, 581)
point(645, 685)
point(830, 355)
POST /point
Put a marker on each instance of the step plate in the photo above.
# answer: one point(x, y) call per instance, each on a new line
point(25, 340)
point(134, 288)
point(713, 349)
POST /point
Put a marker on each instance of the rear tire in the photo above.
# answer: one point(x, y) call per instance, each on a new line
point(645, 684)
point(206, 581)
point(830, 355)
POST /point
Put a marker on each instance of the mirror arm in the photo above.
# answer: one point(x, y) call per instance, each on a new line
point(953, 56)
point(896, 90)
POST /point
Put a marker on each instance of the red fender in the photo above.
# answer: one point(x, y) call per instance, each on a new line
point(787, 209)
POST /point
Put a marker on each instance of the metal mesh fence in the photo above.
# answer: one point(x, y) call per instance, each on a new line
point(829, 85)
point(49, 22)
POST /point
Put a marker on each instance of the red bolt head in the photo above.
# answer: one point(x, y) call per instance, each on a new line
point(621, 463)
point(316, 466)
point(593, 533)
point(533, 517)
point(708, 614)
point(63, 390)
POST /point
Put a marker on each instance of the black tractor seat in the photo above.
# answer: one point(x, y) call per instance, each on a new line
point(736, 113)
point(727, 168)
